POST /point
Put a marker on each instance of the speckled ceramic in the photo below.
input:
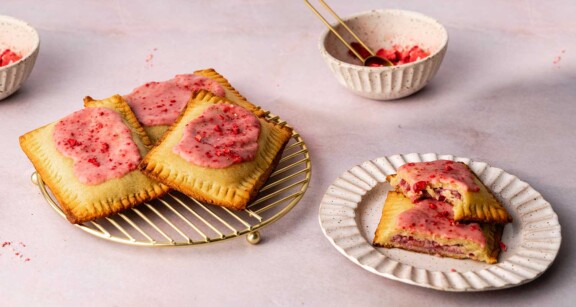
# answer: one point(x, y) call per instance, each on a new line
point(384, 29)
point(352, 207)
point(20, 37)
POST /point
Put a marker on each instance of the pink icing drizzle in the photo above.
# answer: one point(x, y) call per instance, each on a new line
point(223, 135)
point(160, 103)
point(419, 174)
point(99, 143)
point(436, 218)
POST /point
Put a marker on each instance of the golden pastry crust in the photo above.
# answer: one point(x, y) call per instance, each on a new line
point(231, 94)
point(234, 186)
point(388, 234)
point(81, 202)
point(471, 206)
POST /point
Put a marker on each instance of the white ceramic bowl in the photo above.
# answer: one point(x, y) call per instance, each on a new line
point(23, 39)
point(384, 29)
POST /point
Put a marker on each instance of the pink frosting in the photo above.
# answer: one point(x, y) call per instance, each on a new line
point(222, 136)
point(436, 218)
point(417, 175)
point(99, 143)
point(160, 103)
point(196, 83)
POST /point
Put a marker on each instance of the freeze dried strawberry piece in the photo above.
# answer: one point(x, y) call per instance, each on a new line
point(8, 57)
point(391, 55)
point(419, 186)
point(416, 53)
point(360, 49)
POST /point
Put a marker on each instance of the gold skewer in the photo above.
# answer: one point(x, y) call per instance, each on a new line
point(372, 59)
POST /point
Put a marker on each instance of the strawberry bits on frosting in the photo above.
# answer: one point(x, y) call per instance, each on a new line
point(222, 136)
point(99, 143)
point(416, 177)
point(160, 103)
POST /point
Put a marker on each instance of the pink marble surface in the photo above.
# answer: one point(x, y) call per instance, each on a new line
point(504, 95)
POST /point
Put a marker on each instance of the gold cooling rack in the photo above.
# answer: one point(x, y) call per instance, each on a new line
point(176, 219)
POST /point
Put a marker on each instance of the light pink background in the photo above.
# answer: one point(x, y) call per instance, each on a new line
point(504, 95)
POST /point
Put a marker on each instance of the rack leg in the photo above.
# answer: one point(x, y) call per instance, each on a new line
point(253, 237)
point(34, 178)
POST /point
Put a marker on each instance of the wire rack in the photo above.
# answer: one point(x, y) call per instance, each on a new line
point(176, 219)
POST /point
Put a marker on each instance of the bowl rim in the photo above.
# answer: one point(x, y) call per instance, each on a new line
point(35, 37)
point(327, 31)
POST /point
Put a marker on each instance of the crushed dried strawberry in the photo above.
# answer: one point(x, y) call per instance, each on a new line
point(104, 148)
point(361, 50)
point(8, 57)
point(402, 55)
point(398, 55)
point(94, 162)
point(73, 142)
point(419, 186)
point(235, 129)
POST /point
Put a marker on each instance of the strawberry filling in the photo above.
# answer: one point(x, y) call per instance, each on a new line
point(428, 246)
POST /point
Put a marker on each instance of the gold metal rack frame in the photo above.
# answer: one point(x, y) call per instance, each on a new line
point(177, 220)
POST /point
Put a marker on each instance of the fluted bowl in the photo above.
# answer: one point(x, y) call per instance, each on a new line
point(21, 38)
point(385, 29)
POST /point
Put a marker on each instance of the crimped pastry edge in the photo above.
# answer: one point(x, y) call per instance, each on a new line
point(38, 151)
point(236, 198)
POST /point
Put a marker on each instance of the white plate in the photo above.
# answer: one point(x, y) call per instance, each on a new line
point(352, 206)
